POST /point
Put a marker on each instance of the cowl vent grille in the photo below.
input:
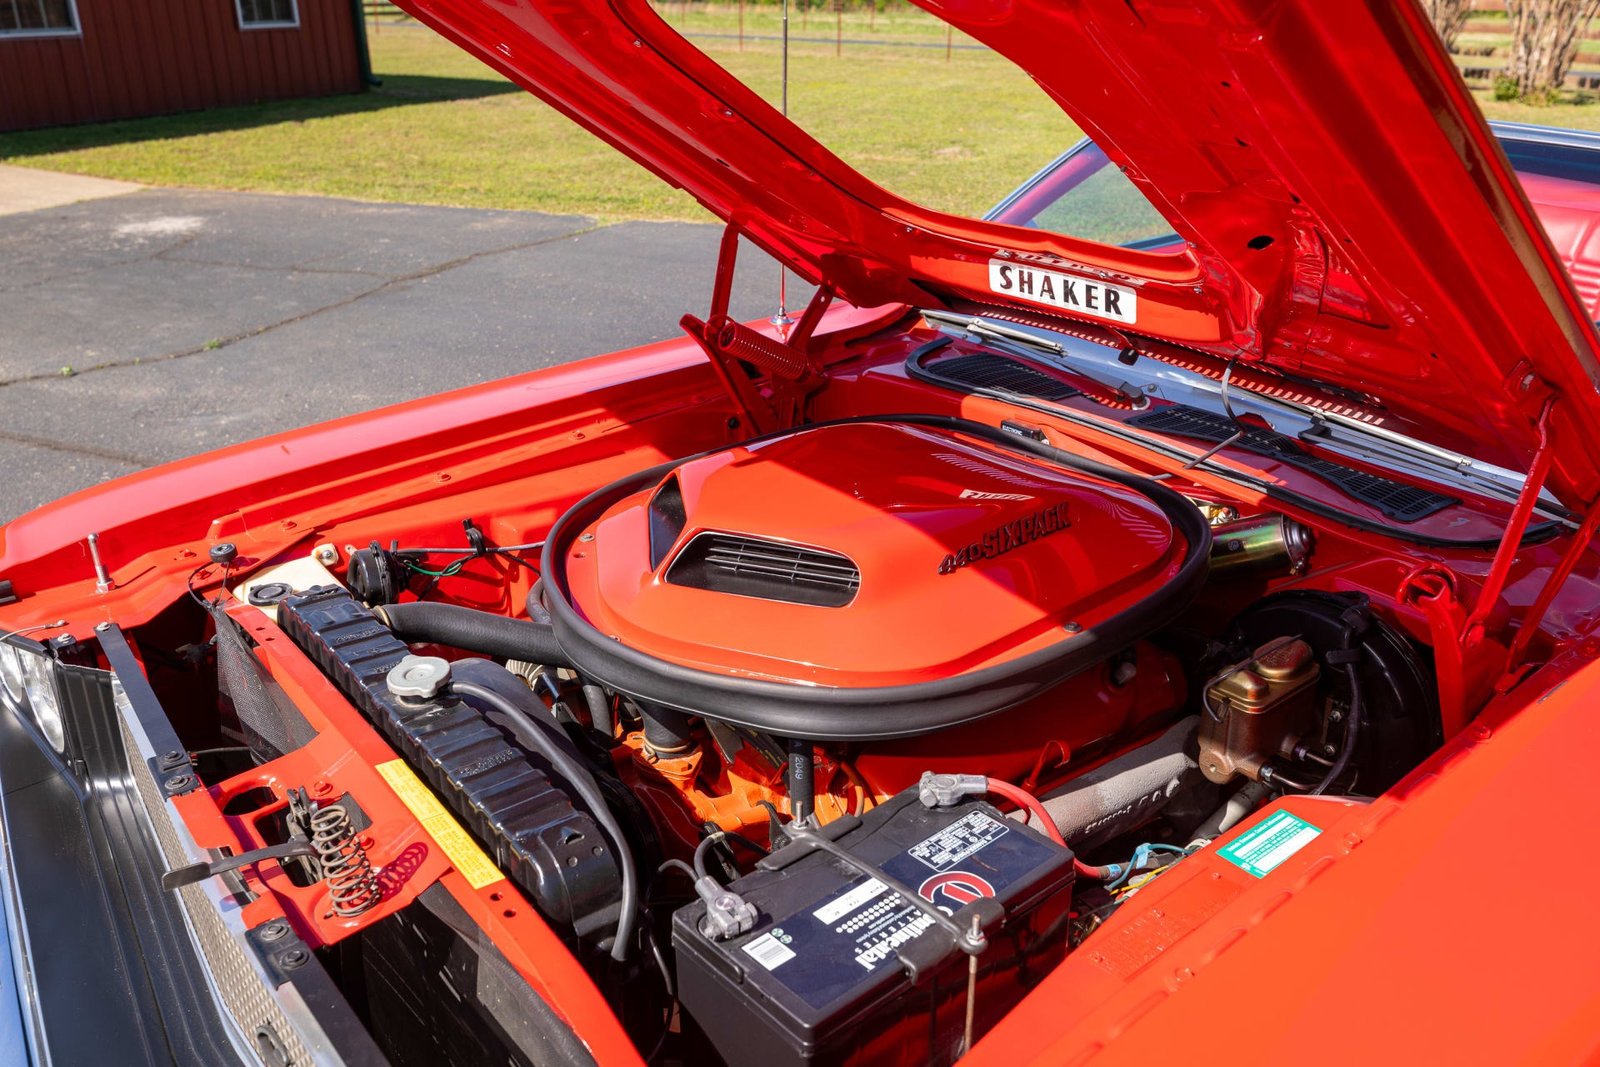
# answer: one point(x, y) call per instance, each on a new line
point(1401, 502)
point(984, 370)
point(769, 570)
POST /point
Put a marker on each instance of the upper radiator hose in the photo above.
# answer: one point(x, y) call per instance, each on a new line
point(475, 631)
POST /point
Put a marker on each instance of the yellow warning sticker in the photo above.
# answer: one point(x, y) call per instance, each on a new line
point(464, 853)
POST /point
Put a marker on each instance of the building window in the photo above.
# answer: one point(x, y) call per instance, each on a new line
point(38, 18)
point(265, 14)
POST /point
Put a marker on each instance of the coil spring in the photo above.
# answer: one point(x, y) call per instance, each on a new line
point(771, 355)
point(352, 884)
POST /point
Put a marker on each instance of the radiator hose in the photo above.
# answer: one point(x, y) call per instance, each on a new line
point(476, 631)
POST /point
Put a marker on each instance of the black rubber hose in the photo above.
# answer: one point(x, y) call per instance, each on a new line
point(599, 709)
point(475, 631)
point(802, 781)
point(1356, 622)
point(1352, 734)
point(702, 850)
point(581, 780)
point(666, 730)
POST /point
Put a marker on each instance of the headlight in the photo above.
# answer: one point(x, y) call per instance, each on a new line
point(28, 678)
point(39, 679)
point(11, 673)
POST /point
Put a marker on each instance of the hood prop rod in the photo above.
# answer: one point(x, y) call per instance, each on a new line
point(780, 318)
point(753, 408)
point(1552, 585)
point(1239, 428)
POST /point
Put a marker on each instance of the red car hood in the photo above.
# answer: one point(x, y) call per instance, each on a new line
point(1349, 217)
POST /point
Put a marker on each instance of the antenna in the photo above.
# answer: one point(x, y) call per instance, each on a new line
point(781, 318)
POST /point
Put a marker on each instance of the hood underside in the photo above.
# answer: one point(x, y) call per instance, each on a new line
point(1348, 216)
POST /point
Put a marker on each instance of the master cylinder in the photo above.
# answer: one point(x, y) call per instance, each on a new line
point(1258, 709)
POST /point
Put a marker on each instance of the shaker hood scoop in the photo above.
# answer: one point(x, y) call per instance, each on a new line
point(1348, 217)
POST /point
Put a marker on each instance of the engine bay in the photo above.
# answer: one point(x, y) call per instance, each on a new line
point(1051, 645)
point(829, 743)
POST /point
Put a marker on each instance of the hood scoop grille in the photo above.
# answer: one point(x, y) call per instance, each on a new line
point(767, 570)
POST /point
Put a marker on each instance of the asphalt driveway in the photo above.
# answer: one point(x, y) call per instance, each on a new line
point(154, 324)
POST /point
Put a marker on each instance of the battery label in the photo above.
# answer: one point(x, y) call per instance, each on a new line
point(906, 925)
point(824, 951)
point(873, 921)
point(835, 910)
point(770, 950)
point(957, 841)
point(1264, 847)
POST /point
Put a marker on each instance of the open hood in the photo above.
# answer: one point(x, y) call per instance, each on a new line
point(1349, 217)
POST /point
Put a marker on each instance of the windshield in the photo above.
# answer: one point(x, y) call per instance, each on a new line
point(1083, 194)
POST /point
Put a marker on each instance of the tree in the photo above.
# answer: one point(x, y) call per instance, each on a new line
point(1448, 16)
point(1544, 42)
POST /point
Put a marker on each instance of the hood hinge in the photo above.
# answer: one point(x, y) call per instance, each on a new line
point(1440, 606)
point(1552, 585)
point(740, 354)
point(1533, 393)
point(1495, 581)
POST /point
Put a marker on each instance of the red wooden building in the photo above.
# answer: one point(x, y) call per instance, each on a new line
point(70, 61)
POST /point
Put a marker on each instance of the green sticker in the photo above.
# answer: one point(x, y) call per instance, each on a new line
point(1264, 847)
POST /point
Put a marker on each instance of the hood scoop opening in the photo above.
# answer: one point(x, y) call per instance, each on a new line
point(768, 570)
point(667, 519)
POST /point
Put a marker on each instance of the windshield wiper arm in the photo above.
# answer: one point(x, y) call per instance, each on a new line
point(1007, 338)
point(994, 331)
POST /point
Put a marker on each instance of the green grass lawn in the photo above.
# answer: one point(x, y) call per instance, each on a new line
point(443, 129)
point(954, 135)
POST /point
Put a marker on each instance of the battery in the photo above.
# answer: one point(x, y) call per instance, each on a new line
point(825, 976)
